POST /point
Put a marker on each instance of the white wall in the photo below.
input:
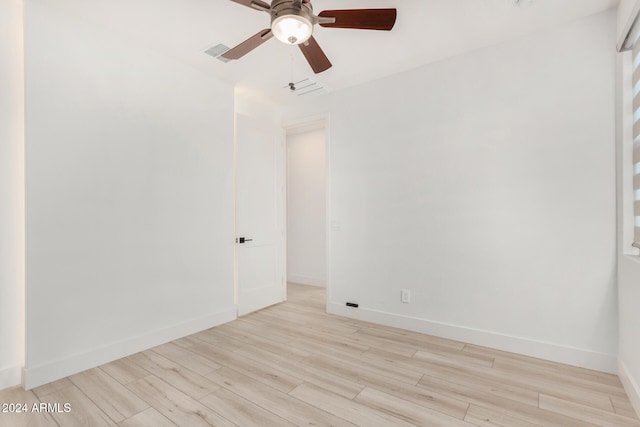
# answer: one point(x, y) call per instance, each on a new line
point(624, 13)
point(485, 184)
point(11, 193)
point(628, 261)
point(129, 197)
point(306, 206)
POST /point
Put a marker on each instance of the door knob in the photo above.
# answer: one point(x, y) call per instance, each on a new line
point(243, 239)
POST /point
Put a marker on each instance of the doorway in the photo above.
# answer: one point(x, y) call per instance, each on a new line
point(306, 147)
point(281, 210)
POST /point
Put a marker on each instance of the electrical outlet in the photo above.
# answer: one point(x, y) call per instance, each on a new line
point(406, 296)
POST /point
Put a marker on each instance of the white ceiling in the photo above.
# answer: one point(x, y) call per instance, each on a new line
point(425, 31)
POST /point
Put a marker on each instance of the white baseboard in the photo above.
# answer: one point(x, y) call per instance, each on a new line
point(10, 377)
point(35, 376)
point(631, 386)
point(306, 280)
point(543, 350)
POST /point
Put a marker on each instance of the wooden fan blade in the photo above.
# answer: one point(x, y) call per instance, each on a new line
point(248, 45)
point(315, 56)
point(254, 4)
point(361, 19)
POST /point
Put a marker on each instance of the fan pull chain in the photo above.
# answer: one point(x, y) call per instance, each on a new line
point(292, 85)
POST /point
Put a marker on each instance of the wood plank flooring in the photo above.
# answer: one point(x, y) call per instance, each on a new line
point(293, 364)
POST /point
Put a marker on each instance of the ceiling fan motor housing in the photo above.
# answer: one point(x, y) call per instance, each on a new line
point(292, 10)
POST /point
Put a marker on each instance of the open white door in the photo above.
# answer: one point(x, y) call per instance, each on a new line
point(260, 214)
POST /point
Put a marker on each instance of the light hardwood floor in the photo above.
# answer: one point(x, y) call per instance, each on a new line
point(292, 364)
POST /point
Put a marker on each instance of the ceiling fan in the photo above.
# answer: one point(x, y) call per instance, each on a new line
point(292, 23)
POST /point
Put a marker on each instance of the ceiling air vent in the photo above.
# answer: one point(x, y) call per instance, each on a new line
point(218, 50)
point(306, 87)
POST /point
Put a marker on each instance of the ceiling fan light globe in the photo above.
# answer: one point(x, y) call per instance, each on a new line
point(292, 29)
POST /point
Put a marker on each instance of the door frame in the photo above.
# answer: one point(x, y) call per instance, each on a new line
point(303, 122)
